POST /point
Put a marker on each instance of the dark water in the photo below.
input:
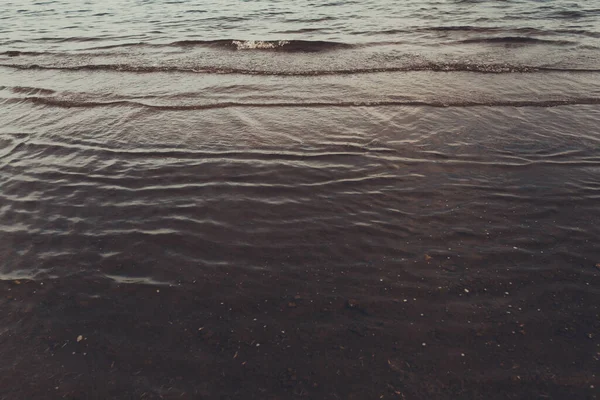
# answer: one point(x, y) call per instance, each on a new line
point(322, 200)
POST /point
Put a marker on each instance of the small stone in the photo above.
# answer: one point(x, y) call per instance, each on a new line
point(466, 290)
point(79, 338)
point(424, 344)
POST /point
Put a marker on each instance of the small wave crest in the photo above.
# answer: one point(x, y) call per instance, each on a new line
point(32, 90)
point(292, 46)
point(16, 53)
point(516, 40)
point(68, 103)
point(285, 46)
point(484, 68)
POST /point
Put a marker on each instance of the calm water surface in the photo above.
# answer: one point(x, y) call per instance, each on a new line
point(323, 200)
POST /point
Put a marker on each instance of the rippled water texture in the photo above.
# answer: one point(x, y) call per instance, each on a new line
point(277, 200)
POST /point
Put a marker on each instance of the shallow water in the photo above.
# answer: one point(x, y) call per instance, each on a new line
point(299, 199)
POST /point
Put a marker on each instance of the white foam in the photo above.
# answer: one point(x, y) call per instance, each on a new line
point(24, 275)
point(140, 280)
point(258, 44)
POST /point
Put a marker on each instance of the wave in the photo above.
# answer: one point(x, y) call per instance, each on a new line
point(425, 66)
point(570, 14)
point(311, 20)
point(302, 30)
point(65, 103)
point(292, 46)
point(77, 39)
point(516, 40)
point(31, 90)
point(497, 30)
point(16, 53)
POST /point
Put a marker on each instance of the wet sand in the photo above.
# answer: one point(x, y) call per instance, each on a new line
point(260, 335)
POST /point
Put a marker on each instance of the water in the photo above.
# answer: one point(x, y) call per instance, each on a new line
point(275, 199)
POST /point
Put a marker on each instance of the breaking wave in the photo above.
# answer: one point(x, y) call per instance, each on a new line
point(292, 46)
